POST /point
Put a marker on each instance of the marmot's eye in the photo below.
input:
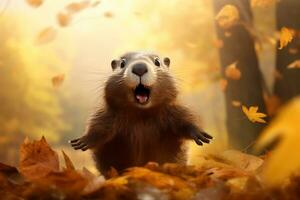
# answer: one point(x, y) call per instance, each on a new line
point(157, 62)
point(123, 63)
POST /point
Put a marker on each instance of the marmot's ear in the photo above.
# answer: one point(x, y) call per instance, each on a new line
point(167, 61)
point(114, 64)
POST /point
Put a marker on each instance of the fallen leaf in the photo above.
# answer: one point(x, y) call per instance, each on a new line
point(69, 164)
point(35, 3)
point(228, 16)
point(63, 19)
point(37, 159)
point(223, 84)
point(233, 72)
point(295, 64)
point(58, 80)
point(261, 3)
point(286, 36)
point(236, 103)
point(46, 35)
point(253, 115)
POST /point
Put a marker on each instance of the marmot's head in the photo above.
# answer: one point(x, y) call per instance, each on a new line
point(141, 80)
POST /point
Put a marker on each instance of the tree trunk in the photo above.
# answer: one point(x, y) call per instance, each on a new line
point(239, 47)
point(287, 85)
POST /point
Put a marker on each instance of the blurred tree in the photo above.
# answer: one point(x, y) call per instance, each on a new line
point(29, 105)
point(288, 84)
point(238, 46)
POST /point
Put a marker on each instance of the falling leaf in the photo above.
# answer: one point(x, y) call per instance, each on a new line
point(228, 16)
point(58, 80)
point(233, 72)
point(35, 3)
point(253, 115)
point(68, 162)
point(286, 36)
point(95, 3)
point(236, 103)
point(295, 64)
point(37, 159)
point(46, 35)
point(284, 159)
point(63, 19)
point(223, 84)
point(108, 14)
point(77, 6)
point(261, 3)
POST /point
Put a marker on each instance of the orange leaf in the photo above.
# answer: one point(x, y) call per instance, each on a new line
point(37, 159)
point(68, 162)
point(253, 115)
point(286, 36)
point(228, 16)
point(77, 6)
point(236, 103)
point(63, 19)
point(46, 35)
point(223, 84)
point(108, 14)
point(295, 64)
point(233, 72)
point(35, 3)
point(58, 80)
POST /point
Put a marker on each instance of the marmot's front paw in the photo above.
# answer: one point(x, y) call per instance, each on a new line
point(80, 143)
point(200, 137)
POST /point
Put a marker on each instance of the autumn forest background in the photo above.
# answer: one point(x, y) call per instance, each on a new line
point(236, 62)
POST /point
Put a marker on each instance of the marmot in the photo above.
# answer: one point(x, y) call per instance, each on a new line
point(140, 120)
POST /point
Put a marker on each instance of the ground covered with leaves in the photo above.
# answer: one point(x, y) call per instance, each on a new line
point(230, 175)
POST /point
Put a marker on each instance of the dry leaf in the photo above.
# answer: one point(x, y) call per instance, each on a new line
point(228, 16)
point(262, 3)
point(108, 14)
point(236, 103)
point(63, 19)
point(46, 35)
point(253, 115)
point(295, 64)
point(68, 162)
point(233, 72)
point(77, 6)
point(58, 80)
point(35, 3)
point(286, 36)
point(37, 159)
point(284, 159)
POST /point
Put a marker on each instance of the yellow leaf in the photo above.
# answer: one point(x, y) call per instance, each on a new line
point(46, 35)
point(228, 16)
point(286, 36)
point(35, 3)
point(284, 160)
point(233, 72)
point(295, 64)
point(253, 115)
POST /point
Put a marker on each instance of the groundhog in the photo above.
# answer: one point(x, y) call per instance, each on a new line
point(141, 120)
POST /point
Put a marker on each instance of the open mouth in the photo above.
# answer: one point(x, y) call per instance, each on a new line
point(142, 94)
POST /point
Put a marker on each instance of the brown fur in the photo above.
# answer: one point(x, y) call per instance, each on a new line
point(122, 135)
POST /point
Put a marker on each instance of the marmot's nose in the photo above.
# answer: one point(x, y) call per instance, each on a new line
point(139, 69)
